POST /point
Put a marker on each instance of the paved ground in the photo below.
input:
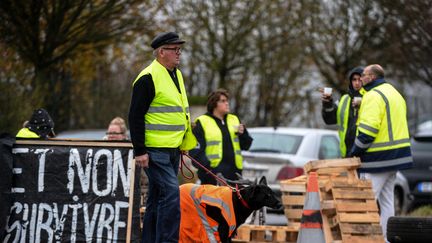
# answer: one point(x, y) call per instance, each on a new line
point(276, 219)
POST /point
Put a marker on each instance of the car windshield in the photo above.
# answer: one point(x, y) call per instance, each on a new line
point(275, 143)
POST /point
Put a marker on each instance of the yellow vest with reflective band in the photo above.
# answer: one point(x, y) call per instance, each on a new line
point(383, 115)
point(213, 137)
point(342, 116)
point(195, 224)
point(167, 119)
point(26, 133)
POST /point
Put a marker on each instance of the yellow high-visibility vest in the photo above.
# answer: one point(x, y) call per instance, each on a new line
point(342, 116)
point(26, 133)
point(213, 137)
point(167, 119)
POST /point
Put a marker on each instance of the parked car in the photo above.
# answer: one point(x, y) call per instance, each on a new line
point(85, 134)
point(402, 197)
point(420, 176)
point(282, 152)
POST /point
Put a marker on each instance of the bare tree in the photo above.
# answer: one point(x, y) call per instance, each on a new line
point(409, 33)
point(220, 34)
point(46, 33)
point(341, 35)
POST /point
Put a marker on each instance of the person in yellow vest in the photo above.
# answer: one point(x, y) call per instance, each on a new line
point(40, 125)
point(344, 112)
point(160, 128)
point(221, 137)
point(382, 142)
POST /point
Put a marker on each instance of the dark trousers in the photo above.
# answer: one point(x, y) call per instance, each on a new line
point(162, 216)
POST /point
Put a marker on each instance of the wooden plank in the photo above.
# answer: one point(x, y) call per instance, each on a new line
point(243, 233)
point(300, 187)
point(332, 171)
point(130, 211)
point(352, 194)
point(73, 142)
point(332, 183)
point(327, 230)
point(328, 208)
point(301, 178)
point(368, 206)
point(293, 214)
point(257, 233)
point(358, 217)
point(317, 164)
point(365, 229)
point(293, 200)
point(363, 238)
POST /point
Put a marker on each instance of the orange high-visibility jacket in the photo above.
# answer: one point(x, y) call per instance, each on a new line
point(195, 225)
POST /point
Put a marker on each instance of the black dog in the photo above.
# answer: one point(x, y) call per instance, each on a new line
point(255, 196)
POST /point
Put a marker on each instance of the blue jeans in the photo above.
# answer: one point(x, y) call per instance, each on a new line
point(162, 216)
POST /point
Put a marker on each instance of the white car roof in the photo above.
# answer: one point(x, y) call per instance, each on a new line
point(291, 130)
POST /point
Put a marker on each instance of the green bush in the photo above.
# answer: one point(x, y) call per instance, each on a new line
point(424, 211)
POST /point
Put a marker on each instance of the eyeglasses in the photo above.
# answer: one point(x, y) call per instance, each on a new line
point(177, 50)
point(113, 133)
point(365, 74)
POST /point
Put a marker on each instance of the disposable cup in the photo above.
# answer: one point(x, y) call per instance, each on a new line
point(328, 91)
point(357, 100)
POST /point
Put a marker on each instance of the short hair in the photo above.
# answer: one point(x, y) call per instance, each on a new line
point(156, 52)
point(213, 98)
point(377, 70)
point(120, 122)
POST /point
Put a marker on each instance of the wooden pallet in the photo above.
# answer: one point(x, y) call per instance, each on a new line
point(350, 212)
point(294, 190)
point(266, 233)
point(293, 194)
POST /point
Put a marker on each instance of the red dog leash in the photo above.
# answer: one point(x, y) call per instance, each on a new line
point(236, 190)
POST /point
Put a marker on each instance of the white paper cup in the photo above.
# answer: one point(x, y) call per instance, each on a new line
point(328, 91)
point(357, 100)
point(235, 128)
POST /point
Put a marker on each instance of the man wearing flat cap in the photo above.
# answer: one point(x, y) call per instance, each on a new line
point(160, 128)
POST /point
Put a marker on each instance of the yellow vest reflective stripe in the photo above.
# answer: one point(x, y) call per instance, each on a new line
point(26, 133)
point(213, 137)
point(168, 116)
point(342, 116)
point(390, 129)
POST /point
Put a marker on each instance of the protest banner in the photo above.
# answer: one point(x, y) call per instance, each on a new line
point(73, 191)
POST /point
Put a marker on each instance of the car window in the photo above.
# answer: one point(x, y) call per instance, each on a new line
point(329, 147)
point(275, 143)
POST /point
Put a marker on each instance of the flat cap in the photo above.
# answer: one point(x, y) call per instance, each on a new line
point(166, 38)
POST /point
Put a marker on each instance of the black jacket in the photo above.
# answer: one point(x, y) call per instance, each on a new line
point(329, 111)
point(227, 165)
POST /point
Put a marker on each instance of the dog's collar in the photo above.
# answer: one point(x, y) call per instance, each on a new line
point(239, 196)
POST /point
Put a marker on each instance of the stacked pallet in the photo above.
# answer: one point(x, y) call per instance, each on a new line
point(350, 212)
point(266, 233)
point(293, 197)
point(294, 190)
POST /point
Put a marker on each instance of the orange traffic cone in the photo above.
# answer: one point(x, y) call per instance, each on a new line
point(311, 222)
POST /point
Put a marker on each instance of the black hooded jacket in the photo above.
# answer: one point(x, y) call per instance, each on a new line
point(329, 111)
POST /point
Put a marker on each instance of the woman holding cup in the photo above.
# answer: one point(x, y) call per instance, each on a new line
point(344, 112)
point(221, 137)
